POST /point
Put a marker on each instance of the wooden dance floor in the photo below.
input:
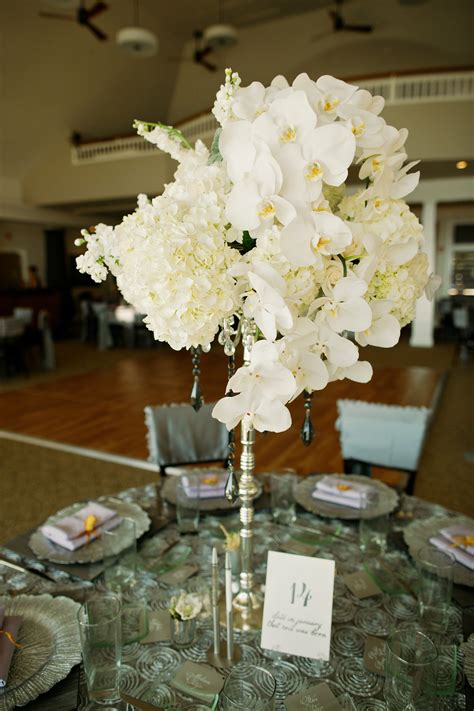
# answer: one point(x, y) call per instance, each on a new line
point(103, 409)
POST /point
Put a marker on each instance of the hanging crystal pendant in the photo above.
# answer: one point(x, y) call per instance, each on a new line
point(307, 430)
point(232, 484)
point(196, 396)
point(232, 487)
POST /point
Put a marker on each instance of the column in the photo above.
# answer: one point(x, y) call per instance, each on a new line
point(423, 326)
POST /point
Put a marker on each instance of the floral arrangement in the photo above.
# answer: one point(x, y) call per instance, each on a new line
point(262, 227)
point(186, 606)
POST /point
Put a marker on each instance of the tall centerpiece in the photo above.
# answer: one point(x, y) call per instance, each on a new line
point(265, 239)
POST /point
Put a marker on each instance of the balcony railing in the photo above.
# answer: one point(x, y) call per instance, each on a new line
point(396, 90)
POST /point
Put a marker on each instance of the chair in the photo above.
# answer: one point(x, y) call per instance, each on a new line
point(177, 435)
point(104, 334)
point(12, 345)
point(387, 436)
point(24, 314)
point(47, 343)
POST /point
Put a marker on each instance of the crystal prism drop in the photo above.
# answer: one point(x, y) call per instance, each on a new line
point(232, 487)
point(307, 431)
point(196, 397)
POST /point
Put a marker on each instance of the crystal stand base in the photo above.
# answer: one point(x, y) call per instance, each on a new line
point(246, 618)
point(221, 660)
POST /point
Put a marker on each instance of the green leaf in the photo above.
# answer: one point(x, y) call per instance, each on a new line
point(215, 154)
point(248, 242)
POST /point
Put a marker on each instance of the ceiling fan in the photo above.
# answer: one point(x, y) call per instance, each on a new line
point(340, 25)
point(83, 17)
point(201, 54)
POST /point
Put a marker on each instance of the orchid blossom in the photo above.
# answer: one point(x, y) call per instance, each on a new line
point(324, 157)
point(266, 303)
point(344, 309)
point(384, 331)
point(264, 386)
point(313, 235)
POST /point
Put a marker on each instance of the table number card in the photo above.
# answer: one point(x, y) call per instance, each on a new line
point(298, 605)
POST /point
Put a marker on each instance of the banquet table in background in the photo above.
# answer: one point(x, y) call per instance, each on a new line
point(148, 668)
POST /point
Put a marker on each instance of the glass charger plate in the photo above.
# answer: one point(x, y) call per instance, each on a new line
point(49, 636)
point(92, 552)
point(168, 492)
point(385, 501)
point(418, 534)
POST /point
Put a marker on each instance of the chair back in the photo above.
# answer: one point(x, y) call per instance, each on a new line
point(23, 313)
point(177, 434)
point(461, 317)
point(382, 435)
point(11, 327)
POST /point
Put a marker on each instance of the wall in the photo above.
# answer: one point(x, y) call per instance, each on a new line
point(58, 181)
point(28, 239)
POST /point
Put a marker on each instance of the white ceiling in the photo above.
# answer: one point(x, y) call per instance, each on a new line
point(56, 77)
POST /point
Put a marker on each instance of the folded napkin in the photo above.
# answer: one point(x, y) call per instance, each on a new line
point(342, 491)
point(462, 556)
point(211, 486)
point(9, 628)
point(461, 536)
point(84, 526)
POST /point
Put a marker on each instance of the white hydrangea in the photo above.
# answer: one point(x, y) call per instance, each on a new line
point(391, 220)
point(402, 286)
point(302, 283)
point(171, 257)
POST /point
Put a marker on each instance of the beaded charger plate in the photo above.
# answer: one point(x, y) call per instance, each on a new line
point(418, 534)
point(92, 552)
point(217, 503)
point(50, 646)
point(384, 499)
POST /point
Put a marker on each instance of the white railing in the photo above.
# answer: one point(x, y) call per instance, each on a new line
point(422, 88)
point(416, 89)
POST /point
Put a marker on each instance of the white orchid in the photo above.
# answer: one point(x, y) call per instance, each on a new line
point(306, 364)
point(290, 120)
point(344, 309)
point(249, 101)
point(363, 99)
point(360, 372)
point(313, 235)
point(366, 127)
point(326, 96)
point(264, 386)
point(266, 303)
point(384, 331)
point(254, 203)
point(324, 157)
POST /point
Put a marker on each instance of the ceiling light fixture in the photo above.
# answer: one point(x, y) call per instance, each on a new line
point(461, 164)
point(137, 40)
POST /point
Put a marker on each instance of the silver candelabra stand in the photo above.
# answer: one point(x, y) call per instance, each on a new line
point(248, 601)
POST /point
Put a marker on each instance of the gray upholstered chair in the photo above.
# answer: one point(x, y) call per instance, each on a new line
point(386, 436)
point(177, 435)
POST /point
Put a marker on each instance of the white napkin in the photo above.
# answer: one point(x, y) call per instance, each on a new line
point(208, 488)
point(461, 556)
point(69, 531)
point(327, 490)
point(452, 533)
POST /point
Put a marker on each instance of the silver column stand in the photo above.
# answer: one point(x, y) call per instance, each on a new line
point(248, 602)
